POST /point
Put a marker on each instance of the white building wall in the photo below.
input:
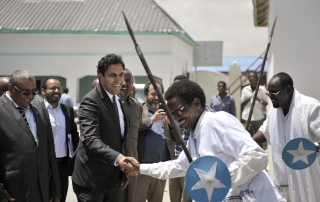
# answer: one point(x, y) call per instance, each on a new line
point(76, 56)
point(234, 72)
point(208, 80)
point(296, 42)
point(295, 46)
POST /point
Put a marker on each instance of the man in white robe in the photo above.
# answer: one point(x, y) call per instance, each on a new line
point(215, 134)
point(293, 115)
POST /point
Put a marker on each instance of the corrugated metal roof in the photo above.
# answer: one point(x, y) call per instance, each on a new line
point(260, 12)
point(87, 16)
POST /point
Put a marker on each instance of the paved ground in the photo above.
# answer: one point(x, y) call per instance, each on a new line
point(71, 197)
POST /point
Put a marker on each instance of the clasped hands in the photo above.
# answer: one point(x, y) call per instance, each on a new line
point(129, 165)
point(160, 114)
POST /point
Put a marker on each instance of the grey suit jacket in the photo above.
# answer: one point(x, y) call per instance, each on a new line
point(28, 171)
point(100, 142)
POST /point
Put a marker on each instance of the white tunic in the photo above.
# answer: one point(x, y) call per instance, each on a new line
point(302, 120)
point(222, 135)
point(257, 114)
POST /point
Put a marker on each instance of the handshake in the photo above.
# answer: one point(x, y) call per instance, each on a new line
point(129, 165)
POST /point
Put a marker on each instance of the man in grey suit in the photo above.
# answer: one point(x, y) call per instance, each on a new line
point(99, 158)
point(64, 129)
point(28, 164)
point(154, 143)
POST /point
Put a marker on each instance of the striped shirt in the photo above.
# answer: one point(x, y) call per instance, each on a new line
point(155, 148)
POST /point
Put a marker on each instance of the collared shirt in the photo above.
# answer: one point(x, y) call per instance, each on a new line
point(30, 118)
point(66, 99)
point(58, 125)
point(155, 148)
point(227, 104)
point(258, 107)
point(185, 137)
point(121, 116)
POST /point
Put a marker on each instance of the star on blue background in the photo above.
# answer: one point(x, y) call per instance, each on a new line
point(208, 179)
point(299, 153)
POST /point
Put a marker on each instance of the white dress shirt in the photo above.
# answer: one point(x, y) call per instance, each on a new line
point(257, 113)
point(30, 118)
point(121, 116)
point(58, 125)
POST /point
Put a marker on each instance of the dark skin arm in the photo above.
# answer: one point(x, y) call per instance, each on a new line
point(259, 138)
point(245, 102)
point(258, 99)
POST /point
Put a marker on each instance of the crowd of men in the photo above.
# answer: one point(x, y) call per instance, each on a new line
point(125, 150)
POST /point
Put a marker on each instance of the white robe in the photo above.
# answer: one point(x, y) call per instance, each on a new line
point(222, 135)
point(302, 120)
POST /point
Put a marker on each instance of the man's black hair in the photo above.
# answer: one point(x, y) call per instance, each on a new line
point(255, 73)
point(224, 83)
point(44, 82)
point(107, 60)
point(285, 79)
point(65, 90)
point(186, 90)
point(180, 77)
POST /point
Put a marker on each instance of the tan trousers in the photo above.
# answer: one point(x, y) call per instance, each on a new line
point(129, 194)
point(149, 188)
point(177, 190)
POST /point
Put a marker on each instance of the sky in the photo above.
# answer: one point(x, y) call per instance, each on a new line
point(230, 21)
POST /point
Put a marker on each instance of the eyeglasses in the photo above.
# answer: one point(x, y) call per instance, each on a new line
point(177, 113)
point(274, 94)
point(24, 92)
point(53, 88)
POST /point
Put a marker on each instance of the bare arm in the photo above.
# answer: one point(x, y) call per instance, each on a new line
point(259, 137)
point(263, 102)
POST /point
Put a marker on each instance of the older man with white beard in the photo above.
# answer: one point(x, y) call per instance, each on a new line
point(154, 144)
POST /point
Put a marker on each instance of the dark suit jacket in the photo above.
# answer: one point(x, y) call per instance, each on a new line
point(71, 126)
point(28, 171)
point(100, 142)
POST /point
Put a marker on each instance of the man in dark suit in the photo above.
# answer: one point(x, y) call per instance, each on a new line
point(64, 129)
point(28, 167)
point(103, 120)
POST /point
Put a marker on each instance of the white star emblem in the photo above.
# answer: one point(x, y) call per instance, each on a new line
point(300, 154)
point(208, 181)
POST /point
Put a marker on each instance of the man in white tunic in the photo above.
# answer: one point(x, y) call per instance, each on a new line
point(292, 115)
point(246, 101)
point(215, 134)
